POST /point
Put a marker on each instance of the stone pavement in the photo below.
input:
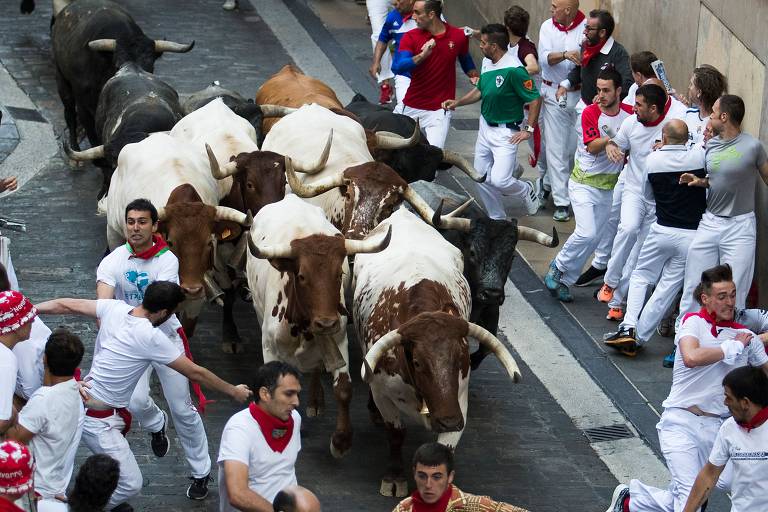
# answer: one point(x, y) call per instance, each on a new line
point(518, 446)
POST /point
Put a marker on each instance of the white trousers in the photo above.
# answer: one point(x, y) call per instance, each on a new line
point(401, 87)
point(636, 213)
point(686, 441)
point(591, 208)
point(619, 299)
point(661, 263)
point(720, 240)
point(103, 436)
point(560, 141)
point(435, 123)
point(377, 14)
point(496, 157)
point(186, 418)
point(603, 251)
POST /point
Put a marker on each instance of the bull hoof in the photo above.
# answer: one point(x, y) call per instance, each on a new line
point(313, 411)
point(233, 348)
point(401, 488)
point(341, 443)
point(397, 487)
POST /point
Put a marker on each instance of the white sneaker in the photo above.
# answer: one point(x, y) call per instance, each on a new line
point(532, 203)
point(229, 5)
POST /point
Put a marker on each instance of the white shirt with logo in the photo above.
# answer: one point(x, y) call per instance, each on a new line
point(268, 471)
point(55, 414)
point(29, 356)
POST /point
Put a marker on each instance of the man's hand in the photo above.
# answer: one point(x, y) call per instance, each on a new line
point(474, 79)
point(374, 70)
point(692, 180)
point(426, 49)
point(83, 387)
point(614, 153)
point(8, 183)
point(520, 137)
point(561, 91)
point(449, 104)
point(573, 56)
point(764, 338)
point(242, 393)
point(744, 337)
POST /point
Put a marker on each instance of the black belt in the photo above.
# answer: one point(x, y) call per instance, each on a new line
point(511, 126)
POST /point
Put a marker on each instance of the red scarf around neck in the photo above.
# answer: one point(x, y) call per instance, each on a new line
point(419, 505)
point(590, 51)
point(703, 313)
point(575, 23)
point(757, 420)
point(158, 246)
point(276, 432)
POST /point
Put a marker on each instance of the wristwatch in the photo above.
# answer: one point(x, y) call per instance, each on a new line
point(529, 128)
point(468, 31)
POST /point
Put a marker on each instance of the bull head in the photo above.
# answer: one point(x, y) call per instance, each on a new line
point(109, 45)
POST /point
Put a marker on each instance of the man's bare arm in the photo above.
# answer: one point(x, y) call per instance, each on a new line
point(83, 307)
point(240, 495)
point(208, 379)
point(703, 485)
point(104, 291)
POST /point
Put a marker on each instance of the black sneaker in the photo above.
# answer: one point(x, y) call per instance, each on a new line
point(589, 276)
point(123, 507)
point(198, 489)
point(624, 336)
point(160, 443)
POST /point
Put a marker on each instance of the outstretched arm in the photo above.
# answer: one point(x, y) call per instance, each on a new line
point(207, 378)
point(83, 307)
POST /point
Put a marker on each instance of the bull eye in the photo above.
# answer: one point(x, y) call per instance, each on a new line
point(416, 363)
point(249, 185)
point(302, 278)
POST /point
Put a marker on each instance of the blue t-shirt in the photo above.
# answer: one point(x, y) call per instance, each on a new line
point(393, 30)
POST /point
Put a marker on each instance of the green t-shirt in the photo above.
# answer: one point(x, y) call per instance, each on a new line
point(505, 87)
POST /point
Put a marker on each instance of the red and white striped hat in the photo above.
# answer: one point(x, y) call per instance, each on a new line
point(15, 311)
point(16, 468)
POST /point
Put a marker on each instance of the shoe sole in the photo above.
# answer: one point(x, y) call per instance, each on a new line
point(620, 341)
point(591, 281)
point(197, 499)
point(165, 434)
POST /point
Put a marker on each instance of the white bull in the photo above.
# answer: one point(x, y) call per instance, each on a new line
point(421, 368)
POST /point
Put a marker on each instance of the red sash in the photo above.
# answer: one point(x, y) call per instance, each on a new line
point(591, 51)
point(276, 432)
point(122, 412)
point(419, 505)
point(703, 313)
point(196, 389)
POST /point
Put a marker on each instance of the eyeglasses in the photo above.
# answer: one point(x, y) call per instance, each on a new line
point(590, 29)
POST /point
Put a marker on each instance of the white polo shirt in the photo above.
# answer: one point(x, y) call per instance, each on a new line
point(696, 126)
point(552, 40)
point(597, 170)
point(125, 347)
point(8, 370)
point(702, 386)
point(130, 276)
point(748, 454)
point(269, 472)
point(55, 414)
point(29, 356)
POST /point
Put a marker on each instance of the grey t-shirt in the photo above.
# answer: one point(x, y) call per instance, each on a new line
point(732, 166)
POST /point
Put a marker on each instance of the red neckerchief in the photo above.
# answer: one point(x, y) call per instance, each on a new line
point(419, 505)
point(757, 420)
point(7, 506)
point(590, 51)
point(658, 121)
point(158, 246)
point(575, 23)
point(276, 432)
point(196, 389)
point(703, 313)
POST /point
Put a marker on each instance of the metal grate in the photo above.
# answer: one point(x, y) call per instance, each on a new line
point(607, 433)
point(26, 114)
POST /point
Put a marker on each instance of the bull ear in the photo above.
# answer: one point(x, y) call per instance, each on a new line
point(226, 230)
point(284, 264)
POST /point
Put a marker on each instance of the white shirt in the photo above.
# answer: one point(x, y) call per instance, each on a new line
point(594, 123)
point(702, 386)
point(756, 320)
point(552, 40)
point(696, 126)
point(125, 346)
point(268, 471)
point(29, 356)
point(748, 453)
point(8, 371)
point(55, 414)
point(629, 99)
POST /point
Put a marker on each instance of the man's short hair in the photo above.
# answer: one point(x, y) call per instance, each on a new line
point(612, 75)
point(640, 62)
point(517, 19)
point(161, 295)
point(719, 274)
point(604, 21)
point(63, 352)
point(496, 33)
point(733, 106)
point(432, 455)
point(142, 205)
point(268, 376)
point(94, 484)
point(435, 6)
point(712, 84)
point(748, 382)
point(5, 282)
point(284, 502)
point(654, 95)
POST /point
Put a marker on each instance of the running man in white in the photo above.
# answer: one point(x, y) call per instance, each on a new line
point(51, 422)
point(591, 185)
point(742, 442)
point(663, 256)
point(504, 87)
point(124, 274)
point(727, 231)
point(398, 22)
point(377, 16)
point(710, 344)
point(127, 344)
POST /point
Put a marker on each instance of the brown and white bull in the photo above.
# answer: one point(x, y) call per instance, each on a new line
point(297, 262)
point(411, 305)
point(177, 179)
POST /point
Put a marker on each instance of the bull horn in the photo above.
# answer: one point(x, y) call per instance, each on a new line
point(269, 251)
point(226, 213)
point(386, 342)
point(419, 204)
point(451, 157)
point(268, 110)
point(171, 47)
point(319, 165)
point(534, 235)
point(102, 45)
point(451, 221)
point(368, 245)
point(497, 347)
point(311, 189)
point(385, 140)
point(218, 172)
point(424, 409)
point(84, 156)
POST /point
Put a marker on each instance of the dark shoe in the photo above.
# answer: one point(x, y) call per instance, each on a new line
point(123, 507)
point(589, 276)
point(620, 337)
point(198, 489)
point(552, 278)
point(666, 327)
point(620, 495)
point(564, 294)
point(561, 214)
point(669, 360)
point(159, 442)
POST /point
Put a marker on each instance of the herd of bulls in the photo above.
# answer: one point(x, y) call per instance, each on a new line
point(216, 165)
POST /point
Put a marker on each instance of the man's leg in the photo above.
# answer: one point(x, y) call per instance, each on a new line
point(489, 195)
point(401, 87)
point(620, 293)
point(737, 248)
point(603, 251)
point(435, 123)
point(632, 214)
point(377, 14)
point(560, 144)
point(653, 256)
